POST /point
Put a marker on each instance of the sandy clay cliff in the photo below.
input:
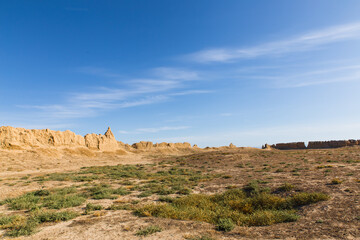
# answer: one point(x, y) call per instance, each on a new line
point(20, 138)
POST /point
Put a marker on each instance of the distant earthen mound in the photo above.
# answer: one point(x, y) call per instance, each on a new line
point(20, 138)
point(332, 144)
point(106, 142)
point(12, 137)
point(293, 145)
point(161, 147)
point(313, 144)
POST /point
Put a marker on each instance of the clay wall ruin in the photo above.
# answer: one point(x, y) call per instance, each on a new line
point(293, 145)
point(17, 138)
point(314, 144)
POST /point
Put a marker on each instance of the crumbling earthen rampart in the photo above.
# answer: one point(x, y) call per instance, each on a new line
point(149, 145)
point(292, 145)
point(332, 144)
point(15, 138)
point(10, 136)
point(314, 144)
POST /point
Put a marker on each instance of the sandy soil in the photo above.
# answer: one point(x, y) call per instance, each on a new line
point(308, 170)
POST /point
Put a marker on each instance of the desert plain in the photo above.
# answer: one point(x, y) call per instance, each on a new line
point(57, 189)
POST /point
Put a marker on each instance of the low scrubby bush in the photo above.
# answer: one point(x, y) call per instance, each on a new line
point(148, 230)
point(250, 206)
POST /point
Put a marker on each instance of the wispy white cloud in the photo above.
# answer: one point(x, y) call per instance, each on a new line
point(134, 92)
point(310, 77)
point(189, 92)
point(305, 42)
point(154, 130)
point(176, 74)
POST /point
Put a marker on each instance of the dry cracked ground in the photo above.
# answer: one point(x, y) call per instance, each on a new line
point(236, 193)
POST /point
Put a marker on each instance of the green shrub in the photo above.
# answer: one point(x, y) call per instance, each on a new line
point(336, 181)
point(145, 194)
point(55, 199)
point(27, 226)
point(50, 216)
point(251, 206)
point(286, 187)
point(166, 199)
point(26, 201)
point(42, 193)
point(225, 224)
point(305, 198)
point(184, 191)
point(23, 229)
point(269, 217)
point(148, 230)
point(101, 191)
point(58, 201)
point(91, 207)
point(6, 220)
point(252, 188)
point(200, 238)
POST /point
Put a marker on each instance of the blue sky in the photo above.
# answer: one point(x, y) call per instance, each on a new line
point(207, 72)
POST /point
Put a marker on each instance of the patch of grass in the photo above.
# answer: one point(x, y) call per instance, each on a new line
point(26, 201)
point(55, 199)
point(23, 226)
point(7, 220)
point(42, 192)
point(324, 166)
point(253, 188)
point(104, 191)
point(304, 198)
point(145, 194)
point(184, 191)
point(148, 230)
point(63, 201)
point(336, 181)
point(286, 187)
point(168, 180)
point(199, 238)
point(92, 207)
point(225, 224)
point(166, 199)
point(250, 206)
point(51, 216)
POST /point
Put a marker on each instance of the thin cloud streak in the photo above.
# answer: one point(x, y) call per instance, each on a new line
point(314, 77)
point(301, 75)
point(155, 130)
point(176, 74)
point(133, 93)
point(301, 43)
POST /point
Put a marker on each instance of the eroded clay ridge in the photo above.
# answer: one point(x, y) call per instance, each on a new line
point(314, 144)
point(13, 138)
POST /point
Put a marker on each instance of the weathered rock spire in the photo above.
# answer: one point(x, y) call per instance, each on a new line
point(109, 133)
